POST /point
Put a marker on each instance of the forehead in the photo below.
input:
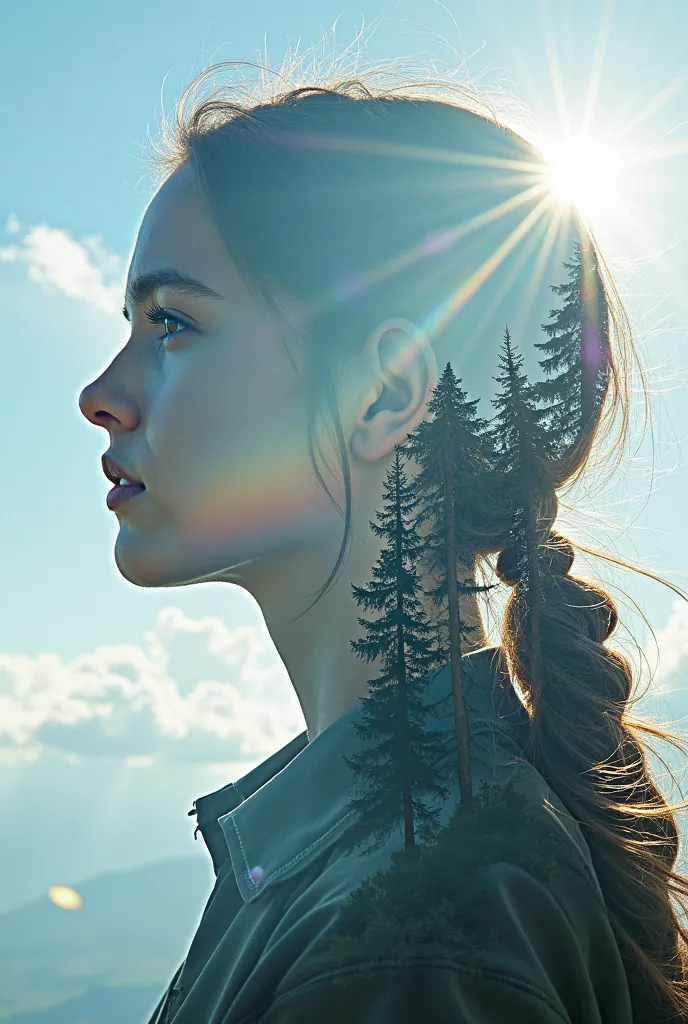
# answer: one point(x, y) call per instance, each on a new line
point(178, 231)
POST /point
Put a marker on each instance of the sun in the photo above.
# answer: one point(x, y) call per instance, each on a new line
point(582, 174)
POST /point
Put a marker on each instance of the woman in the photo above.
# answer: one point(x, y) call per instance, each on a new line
point(318, 257)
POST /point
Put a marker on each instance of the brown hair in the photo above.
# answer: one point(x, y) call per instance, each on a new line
point(270, 169)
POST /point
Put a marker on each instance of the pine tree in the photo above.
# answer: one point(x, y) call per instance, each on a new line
point(434, 893)
point(577, 346)
point(522, 444)
point(400, 768)
point(449, 449)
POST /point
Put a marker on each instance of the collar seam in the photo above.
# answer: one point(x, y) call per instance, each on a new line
point(266, 879)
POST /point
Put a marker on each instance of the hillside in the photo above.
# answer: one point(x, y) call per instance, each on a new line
point(108, 962)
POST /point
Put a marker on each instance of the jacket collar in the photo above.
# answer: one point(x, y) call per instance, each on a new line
point(292, 806)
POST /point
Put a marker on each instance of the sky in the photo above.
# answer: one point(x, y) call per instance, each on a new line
point(118, 705)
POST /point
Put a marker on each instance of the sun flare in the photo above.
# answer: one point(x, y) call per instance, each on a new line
point(582, 175)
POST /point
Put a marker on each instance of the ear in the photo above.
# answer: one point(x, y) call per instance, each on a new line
point(398, 375)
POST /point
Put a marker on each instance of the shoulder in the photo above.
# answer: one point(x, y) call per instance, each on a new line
point(506, 922)
point(533, 962)
point(424, 989)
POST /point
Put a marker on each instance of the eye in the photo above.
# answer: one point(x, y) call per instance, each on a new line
point(157, 315)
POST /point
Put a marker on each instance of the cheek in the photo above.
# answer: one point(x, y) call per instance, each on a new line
point(232, 457)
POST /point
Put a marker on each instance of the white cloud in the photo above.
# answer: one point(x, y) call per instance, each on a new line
point(84, 269)
point(669, 649)
point(199, 691)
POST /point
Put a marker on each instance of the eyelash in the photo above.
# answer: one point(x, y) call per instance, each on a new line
point(157, 315)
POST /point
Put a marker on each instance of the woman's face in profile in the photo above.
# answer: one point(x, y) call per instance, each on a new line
point(206, 410)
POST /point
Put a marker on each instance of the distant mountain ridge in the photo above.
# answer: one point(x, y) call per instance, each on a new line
point(113, 957)
point(99, 1006)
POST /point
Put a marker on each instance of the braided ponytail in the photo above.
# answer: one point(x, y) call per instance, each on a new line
point(585, 746)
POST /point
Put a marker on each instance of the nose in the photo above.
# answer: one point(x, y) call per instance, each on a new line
point(104, 405)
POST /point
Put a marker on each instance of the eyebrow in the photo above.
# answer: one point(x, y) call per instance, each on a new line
point(141, 288)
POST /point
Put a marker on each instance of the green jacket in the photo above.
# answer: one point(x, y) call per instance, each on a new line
point(259, 955)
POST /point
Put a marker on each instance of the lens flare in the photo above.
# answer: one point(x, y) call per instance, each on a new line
point(64, 897)
point(581, 174)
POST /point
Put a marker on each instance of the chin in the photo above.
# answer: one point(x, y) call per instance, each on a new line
point(147, 571)
point(151, 568)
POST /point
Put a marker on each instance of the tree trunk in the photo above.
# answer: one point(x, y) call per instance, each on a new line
point(533, 596)
point(409, 839)
point(460, 717)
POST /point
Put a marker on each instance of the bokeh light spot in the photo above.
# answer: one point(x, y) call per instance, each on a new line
point(64, 897)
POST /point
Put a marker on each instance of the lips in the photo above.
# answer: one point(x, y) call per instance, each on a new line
point(120, 495)
point(115, 471)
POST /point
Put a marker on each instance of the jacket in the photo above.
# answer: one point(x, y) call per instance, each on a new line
point(282, 878)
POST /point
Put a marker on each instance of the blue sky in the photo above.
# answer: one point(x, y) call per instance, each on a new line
point(183, 691)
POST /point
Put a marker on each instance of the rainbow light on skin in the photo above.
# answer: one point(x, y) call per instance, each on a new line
point(243, 508)
point(438, 319)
